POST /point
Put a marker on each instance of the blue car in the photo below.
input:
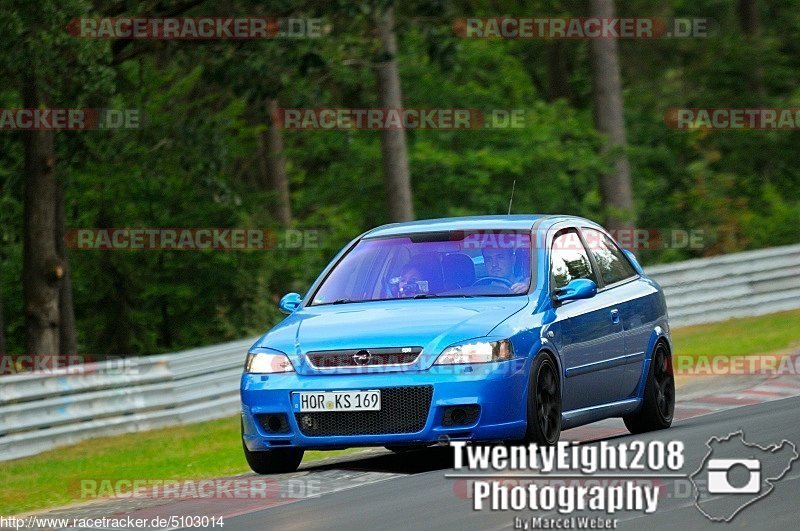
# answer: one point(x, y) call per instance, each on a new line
point(488, 328)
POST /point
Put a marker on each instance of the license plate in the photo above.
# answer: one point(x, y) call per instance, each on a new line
point(337, 401)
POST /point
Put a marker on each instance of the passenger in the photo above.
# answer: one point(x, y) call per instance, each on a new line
point(411, 282)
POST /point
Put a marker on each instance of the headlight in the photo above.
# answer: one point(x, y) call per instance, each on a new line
point(477, 352)
point(266, 363)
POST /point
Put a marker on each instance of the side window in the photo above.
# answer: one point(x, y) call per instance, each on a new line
point(610, 260)
point(568, 259)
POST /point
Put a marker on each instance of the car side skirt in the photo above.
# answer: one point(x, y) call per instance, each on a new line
point(587, 415)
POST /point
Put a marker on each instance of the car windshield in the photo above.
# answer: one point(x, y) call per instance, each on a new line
point(423, 265)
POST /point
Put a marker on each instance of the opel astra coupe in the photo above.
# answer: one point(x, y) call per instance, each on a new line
point(489, 328)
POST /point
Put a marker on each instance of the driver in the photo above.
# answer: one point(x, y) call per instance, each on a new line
point(499, 263)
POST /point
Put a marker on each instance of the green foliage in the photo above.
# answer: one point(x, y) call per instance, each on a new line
point(195, 163)
point(175, 172)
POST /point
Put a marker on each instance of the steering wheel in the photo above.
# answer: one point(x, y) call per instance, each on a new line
point(491, 280)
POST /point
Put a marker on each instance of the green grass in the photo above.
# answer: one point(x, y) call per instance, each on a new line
point(213, 449)
point(203, 450)
point(739, 337)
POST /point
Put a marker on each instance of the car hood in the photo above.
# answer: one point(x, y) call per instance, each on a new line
point(432, 324)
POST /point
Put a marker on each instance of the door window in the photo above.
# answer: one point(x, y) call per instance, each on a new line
point(611, 261)
point(568, 259)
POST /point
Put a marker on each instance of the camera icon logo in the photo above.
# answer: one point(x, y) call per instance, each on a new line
point(735, 474)
point(719, 471)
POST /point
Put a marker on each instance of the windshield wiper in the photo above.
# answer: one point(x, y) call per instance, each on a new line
point(341, 301)
point(433, 295)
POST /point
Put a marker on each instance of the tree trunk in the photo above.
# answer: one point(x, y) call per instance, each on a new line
point(166, 325)
point(166, 322)
point(68, 336)
point(557, 72)
point(393, 141)
point(42, 267)
point(749, 17)
point(2, 328)
point(615, 188)
point(750, 21)
point(273, 165)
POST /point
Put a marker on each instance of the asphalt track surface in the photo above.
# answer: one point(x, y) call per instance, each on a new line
point(378, 489)
point(428, 500)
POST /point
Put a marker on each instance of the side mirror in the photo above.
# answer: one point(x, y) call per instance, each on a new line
point(580, 288)
point(290, 302)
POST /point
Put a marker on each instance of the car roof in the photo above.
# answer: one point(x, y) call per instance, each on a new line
point(493, 222)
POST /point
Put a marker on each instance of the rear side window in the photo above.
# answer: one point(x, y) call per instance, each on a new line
point(568, 259)
point(611, 261)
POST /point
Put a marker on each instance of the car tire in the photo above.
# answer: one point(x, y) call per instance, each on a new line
point(544, 403)
point(658, 405)
point(276, 461)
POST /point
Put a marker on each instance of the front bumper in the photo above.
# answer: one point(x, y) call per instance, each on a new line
point(498, 388)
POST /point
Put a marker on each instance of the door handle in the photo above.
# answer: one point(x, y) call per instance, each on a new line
point(615, 316)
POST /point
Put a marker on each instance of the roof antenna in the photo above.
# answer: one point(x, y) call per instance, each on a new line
point(510, 201)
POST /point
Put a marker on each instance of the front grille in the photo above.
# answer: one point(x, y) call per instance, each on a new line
point(403, 410)
point(330, 359)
